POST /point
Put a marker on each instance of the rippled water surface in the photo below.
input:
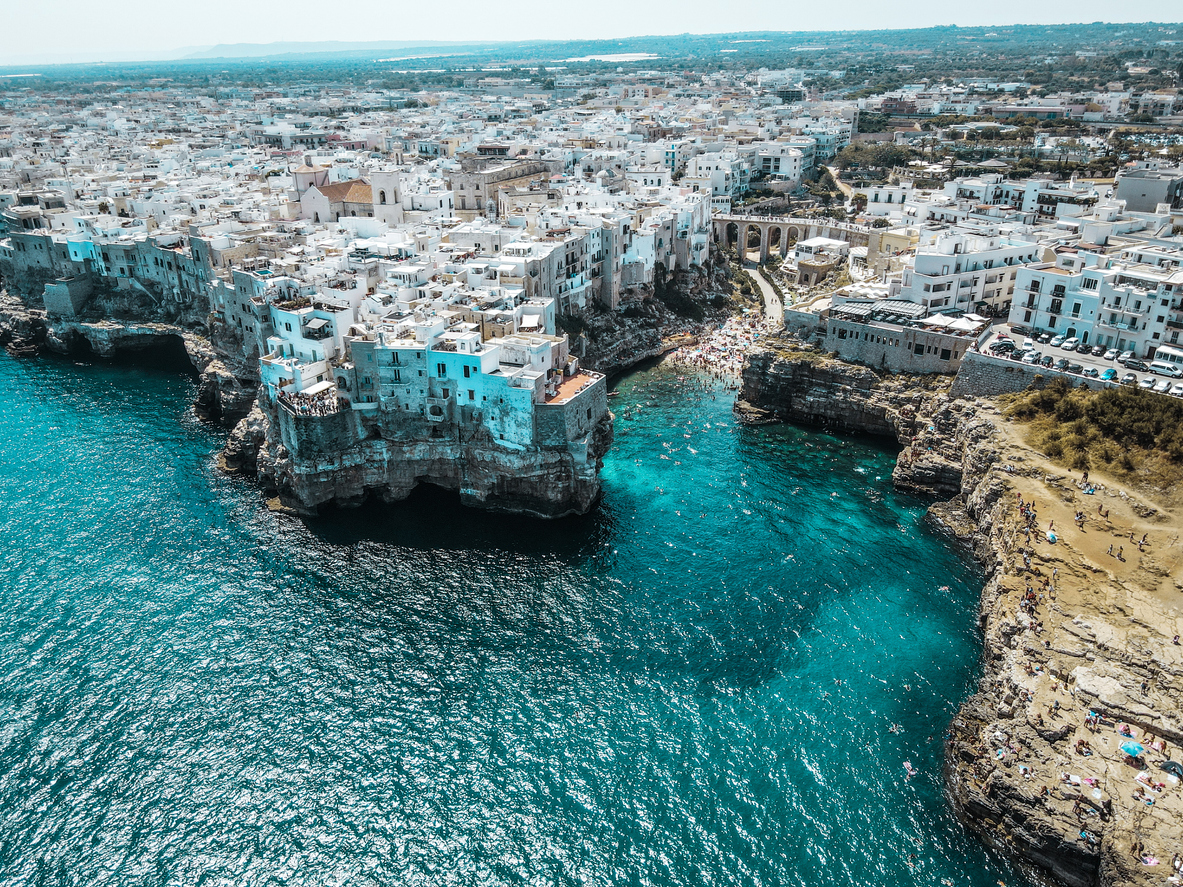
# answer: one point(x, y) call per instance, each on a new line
point(694, 685)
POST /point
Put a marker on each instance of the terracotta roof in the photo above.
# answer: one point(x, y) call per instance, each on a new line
point(353, 191)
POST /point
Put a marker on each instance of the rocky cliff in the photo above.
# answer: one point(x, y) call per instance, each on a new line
point(784, 381)
point(649, 321)
point(386, 462)
point(1079, 635)
point(226, 389)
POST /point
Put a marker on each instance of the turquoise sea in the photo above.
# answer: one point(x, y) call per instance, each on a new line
point(694, 685)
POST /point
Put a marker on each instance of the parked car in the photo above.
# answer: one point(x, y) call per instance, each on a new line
point(1044, 339)
point(1091, 373)
point(1147, 383)
point(1165, 368)
point(1047, 360)
point(1032, 357)
point(1111, 354)
point(1098, 351)
point(1057, 341)
point(1134, 364)
point(1002, 346)
point(1109, 375)
point(1075, 368)
point(1017, 354)
point(1177, 389)
point(1129, 379)
point(1163, 386)
point(1125, 355)
point(1070, 344)
point(1062, 364)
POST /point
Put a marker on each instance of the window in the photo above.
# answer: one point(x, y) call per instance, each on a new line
point(471, 394)
point(945, 354)
point(288, 326)
point(441, 370)
point(446, 393)
point(398, 376)
point(467, 370)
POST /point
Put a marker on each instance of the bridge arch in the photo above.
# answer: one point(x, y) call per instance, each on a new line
point(776, 237)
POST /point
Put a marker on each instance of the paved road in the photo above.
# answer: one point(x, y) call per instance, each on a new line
point(1085, 360)
point(772, 305)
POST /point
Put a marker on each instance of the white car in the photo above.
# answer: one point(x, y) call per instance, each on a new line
point(1147, 383)
point(1177, 389)
point(1032, 357)
point(1057, 341)
point(1111, 354)
point(1070, 344)
point(1163, 386)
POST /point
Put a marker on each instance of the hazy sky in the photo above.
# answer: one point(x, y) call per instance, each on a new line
point(34, 31)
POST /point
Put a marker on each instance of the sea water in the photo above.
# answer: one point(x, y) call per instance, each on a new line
point(694, 685)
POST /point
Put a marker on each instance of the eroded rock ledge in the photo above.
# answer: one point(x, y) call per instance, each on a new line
point(1097, 637)
point(347, 458)
point(226, 389)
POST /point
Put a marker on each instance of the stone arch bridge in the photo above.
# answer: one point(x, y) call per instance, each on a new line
point(782, 232)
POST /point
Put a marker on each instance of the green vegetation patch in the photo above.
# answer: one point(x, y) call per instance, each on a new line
point(1128, 432)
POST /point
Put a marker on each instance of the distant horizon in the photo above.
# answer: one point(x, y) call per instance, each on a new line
point(63, 32)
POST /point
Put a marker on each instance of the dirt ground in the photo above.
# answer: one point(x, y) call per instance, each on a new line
point(1101, 635)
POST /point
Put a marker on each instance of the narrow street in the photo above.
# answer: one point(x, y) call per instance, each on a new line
point(772, 305)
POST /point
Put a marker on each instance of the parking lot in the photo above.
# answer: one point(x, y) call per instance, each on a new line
point(1100, 364)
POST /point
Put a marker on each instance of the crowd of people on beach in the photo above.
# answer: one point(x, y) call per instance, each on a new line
point(721, 352)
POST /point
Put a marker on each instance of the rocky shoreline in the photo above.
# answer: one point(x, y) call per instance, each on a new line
point(225, 393)
point(1069, 631)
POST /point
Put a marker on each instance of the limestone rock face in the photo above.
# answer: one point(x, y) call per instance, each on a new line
point(783, 382)
point(22, 329)
point(246, 442)
point(542, 482)
point(107, 338)
point(645, 326)
point(224, 395)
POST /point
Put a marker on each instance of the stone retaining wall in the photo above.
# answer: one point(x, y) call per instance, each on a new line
point(982, 375)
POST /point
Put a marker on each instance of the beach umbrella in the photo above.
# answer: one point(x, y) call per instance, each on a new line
point(1133, 749)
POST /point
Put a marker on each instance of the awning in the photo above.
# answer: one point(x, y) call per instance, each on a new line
point(531, 320)
point(318, 388)
point(317, 323)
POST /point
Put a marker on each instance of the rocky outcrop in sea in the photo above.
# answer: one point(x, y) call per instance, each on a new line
point(388, 456)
